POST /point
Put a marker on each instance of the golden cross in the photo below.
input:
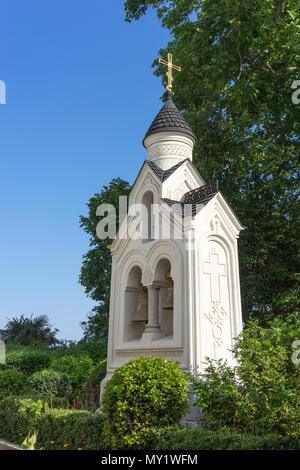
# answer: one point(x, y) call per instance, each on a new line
point(170, 66)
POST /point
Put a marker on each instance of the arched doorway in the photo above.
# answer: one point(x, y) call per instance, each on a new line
point(147, 216)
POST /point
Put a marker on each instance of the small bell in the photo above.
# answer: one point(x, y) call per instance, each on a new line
point(168, 303)
point(141, 313)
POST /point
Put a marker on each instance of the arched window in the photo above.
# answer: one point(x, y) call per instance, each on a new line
point(147, 216)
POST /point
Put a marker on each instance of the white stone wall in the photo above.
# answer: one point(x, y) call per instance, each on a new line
point(166, 149)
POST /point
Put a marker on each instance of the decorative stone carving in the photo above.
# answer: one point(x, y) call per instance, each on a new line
point(177, 193)
point(216, 315)
point(215, 225)
point(169, 149)
point(216, 298)
point(149, 181)
point(166, 149)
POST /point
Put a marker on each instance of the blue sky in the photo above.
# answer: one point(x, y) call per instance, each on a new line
point(80, 97)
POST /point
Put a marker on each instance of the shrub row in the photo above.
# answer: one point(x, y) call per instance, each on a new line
point(95, 351)
point(57, 428)
point(70, 430)
point(41, 384)
point(39, 371)
point(180, 438)
point(27, 360)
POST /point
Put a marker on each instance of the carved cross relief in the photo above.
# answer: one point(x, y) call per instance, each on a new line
point(215, 270)
point(216, 313)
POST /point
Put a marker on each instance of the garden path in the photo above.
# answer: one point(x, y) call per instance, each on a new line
point(8, 446)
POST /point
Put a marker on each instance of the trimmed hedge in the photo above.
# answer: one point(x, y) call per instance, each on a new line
point(57, 428)
point(180, 438)
point(74, 428)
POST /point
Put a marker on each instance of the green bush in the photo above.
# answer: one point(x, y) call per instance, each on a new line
point(48, 382)
point(77, 368)
point(56, 428)
point(28, 359)
point(97, 375)
point(179, 438)
point(76, 428)
point(19, 415)
point(143, 393)
point(12, 382)
point(95, 351)
point(89, 396)
point(261, 394)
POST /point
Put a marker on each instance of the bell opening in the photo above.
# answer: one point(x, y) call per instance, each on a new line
point(163, 277)
point(168, 302)
point(136, 306)
point(141, 312)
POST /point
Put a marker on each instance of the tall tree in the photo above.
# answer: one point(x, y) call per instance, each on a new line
point(239, 59)
point(96, 268)
point(30, 330)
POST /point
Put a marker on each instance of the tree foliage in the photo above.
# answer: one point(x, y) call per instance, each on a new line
point(30, 330)
point(96, 268)
point(239, 59)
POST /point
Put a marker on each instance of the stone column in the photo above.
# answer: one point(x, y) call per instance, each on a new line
point(153, 322)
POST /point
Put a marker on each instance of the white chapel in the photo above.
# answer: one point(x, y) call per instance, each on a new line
point(175, 289)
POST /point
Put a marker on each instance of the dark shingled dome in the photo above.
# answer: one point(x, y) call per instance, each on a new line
point(169, 119)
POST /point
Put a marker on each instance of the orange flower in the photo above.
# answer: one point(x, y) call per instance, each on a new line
point(52, 442)
point(79, 448)
point(65, 445)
